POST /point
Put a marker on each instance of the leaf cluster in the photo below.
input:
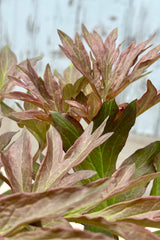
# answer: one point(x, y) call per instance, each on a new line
point(73, 175)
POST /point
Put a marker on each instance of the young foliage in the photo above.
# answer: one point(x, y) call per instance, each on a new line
point(72, 176)
point(17, 163)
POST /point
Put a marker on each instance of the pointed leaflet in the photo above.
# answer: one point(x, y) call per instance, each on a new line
point(51, 163)
point(126, 60)
point(149, 99)
point(54, 167)
point(144, 160)
point(105, 53)
point(8, 63)
point(17, 163)
point(119, 183)
point(127, 230)
point(70, 130)
point(31, 115)
point(77, 53)
point(142, 211)
point(35, 85)
point(76, 177)
point(53, 88)
point(16, 210)
point(58, 233)
point(148, 59)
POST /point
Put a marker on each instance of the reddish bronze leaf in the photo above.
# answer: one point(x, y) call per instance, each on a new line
point(149, 99)
point(17, 163)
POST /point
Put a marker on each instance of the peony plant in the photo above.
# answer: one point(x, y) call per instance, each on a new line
point(72, 176)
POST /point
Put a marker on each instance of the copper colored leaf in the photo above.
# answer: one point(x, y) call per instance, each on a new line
point(149, 99)
point(76, 53)
point(53, 88)
point(94, 105)
point(119, 183)
point(24, 97)
point(17, 163)
point(51, 163)
point(30, 115)
point(58, 233)
point(127, 230)
point(50, 223)
point(76, 177)
point(126, 60)
point(33, 83)
point(142, 211)
point(18, 209)
point(147, 60)
point(54, 166)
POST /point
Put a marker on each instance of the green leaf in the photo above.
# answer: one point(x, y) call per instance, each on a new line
point(6, 109)
point(107, 109)
point(155, 188)
point(157, 233)
point(98, 229)
point(113, 146)
point(95, 160)
point(144, 160)
point(71, 91)
point(104, 157)
point(17, 162)
point(68, 127)
point(37, 128)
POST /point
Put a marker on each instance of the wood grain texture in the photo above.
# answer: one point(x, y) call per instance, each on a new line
point(30, 29)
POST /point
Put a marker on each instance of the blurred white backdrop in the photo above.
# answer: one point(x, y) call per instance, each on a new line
point(30, 29)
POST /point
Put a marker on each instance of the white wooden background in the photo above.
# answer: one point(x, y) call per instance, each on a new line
point(29, 28)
